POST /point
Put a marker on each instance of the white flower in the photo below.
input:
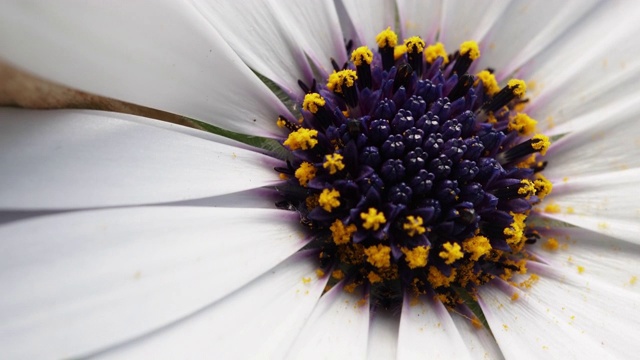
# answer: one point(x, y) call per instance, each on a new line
point(143, 239)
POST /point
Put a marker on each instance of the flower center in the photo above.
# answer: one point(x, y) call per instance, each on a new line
point(415, 176)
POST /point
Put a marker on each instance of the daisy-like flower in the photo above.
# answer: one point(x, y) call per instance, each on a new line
point(404, 212)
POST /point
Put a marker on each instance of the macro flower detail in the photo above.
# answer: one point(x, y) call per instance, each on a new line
point(412, 142)
point(461, 185)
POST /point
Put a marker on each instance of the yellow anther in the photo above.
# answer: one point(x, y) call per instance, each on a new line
point(312, 102)
point(333, 163)
point(305, 173)
point(515, 231)
point(451, 253)
point(398, 51)
point(328, 199)
point(320, 273)
point(361, 55)
point(378, 255)
point(414, 226)
point(518, 87)
point(372, 219)
point(543, 186)
point(281, 122)
point(373, 277)
point(414, 44)
point(540, 143)
point(340, 233)
point(489, 82)
point(477, 246)
point(470, 48)
point(433, 52)
point(523, 124)
point(416, 257)
point(339, 79)
point(528, 189)
point(387, 38)
point(438, 279)
point(302, 139)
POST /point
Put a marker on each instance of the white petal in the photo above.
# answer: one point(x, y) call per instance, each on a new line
point(607, 139)
point(159, 54)
point(604, 66)
point(72, 159)
point(369, 18)
point(264, 198)
point(592, 255)
point(525, 29)
point(606, 203)
point(315, 27)
point(383, 335)
point(563, 316)
point(79, 282)
point(479, 341)
point(463, 20)
point(258, 321)
point(421, 18)
point(427, 330)
point(337, 329)
point(255, 32)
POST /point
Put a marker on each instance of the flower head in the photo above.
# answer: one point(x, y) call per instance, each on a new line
point(175, 245)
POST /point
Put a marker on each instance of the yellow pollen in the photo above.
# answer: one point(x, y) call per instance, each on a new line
point(515, 231)
point(528, 189)
point(580, 269)
point(283, 176)
point(414, 44)
point(378, 255)
point(523, 124)
point(387, 38)
point(373, 277)
point(477, 246)
point(543, 186)
point(328, 199)
point(530, 281)
point(337, 274)
point(433, 52)
point(416, 257)
point(312, 102)
point(361, 55)
point(451, 252)
point(319, 273)
point(398, 51)
point(529, 162)
point(333, 163)
point(306, 280)
point(414, 226)
point(305, 173)
point(551, 244)
point(340, 233)
point(552, 209)
point(339, 79)
point(489, 82)
point(372, 219)
point(541, 143)
point(281, 122)
point(518, 87)
point(438, 279)
point(515, 296)
point(302, 139)
point(470, 48)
